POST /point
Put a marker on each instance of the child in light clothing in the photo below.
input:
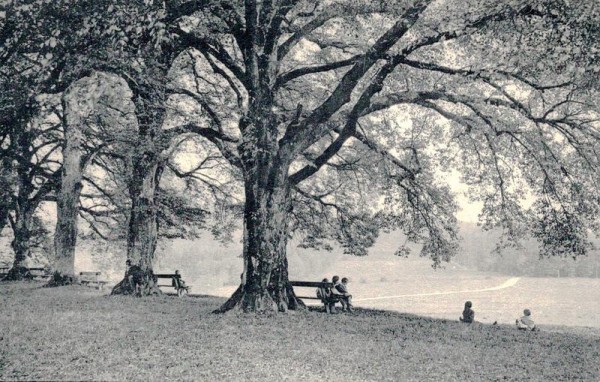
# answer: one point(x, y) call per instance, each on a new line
point(525, 322)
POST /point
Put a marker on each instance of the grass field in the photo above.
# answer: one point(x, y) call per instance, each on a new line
point(77, 333)
point(421, 290)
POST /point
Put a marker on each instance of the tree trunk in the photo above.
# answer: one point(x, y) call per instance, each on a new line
point(21, 247)
point(67, 206)
point(6, 191)
point(265, 283)
point(142, 235)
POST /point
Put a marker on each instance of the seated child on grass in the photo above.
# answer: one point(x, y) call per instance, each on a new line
point(468, 314)
point(525, 322)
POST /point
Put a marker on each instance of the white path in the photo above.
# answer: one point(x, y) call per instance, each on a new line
point(507, 284)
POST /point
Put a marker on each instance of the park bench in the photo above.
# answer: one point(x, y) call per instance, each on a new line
point(176, 283)
point(32, 273)
point(328, 302)
point(39, 273)
point(92, 278)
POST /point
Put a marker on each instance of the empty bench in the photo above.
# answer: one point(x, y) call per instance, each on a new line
point(176, 282)
point(31, 273)
point(91, 278)
point(323, 293)
point(39, 273)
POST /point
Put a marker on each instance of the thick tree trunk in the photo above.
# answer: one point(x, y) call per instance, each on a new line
point(142, 234)
point(67, 206)
point(143, 222)
point(265, 282)
point(147, 165)
point(21, 248)
point(5, 190)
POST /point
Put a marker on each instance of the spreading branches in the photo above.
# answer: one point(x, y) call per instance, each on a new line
point(311, 129)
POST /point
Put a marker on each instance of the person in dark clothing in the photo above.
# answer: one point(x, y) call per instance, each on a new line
point(178, 283)
point(468, 315)
point(327, 297)
point(345, 297)
point(135, 276)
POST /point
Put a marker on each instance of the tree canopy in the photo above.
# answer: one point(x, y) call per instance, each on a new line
point(342, 119)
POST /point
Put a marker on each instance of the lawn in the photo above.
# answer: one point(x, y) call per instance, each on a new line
point(77, 333)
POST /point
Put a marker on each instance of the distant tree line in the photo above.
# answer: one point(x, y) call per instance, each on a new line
point(479, 252)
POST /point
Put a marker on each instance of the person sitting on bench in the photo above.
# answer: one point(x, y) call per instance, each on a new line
point(178, 282)
point(135, 277)
point(327, 297)
point(341, 290)
point(347, 297)
point(468, 316)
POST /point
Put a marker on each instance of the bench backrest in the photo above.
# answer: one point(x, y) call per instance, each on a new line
point(311, 284)
point(323, 288)
point(167, 276)
point(39, 272)
point(90, 273)
point(89, 276)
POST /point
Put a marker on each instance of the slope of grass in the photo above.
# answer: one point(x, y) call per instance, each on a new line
point(76, 333)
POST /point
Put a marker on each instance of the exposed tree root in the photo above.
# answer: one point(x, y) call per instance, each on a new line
point(145, 287)
point(256, 302)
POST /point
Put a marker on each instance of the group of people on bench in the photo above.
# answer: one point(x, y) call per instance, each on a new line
point(523, 323)
point(337, 293)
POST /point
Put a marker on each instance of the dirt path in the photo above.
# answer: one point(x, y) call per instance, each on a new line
point(507, 284)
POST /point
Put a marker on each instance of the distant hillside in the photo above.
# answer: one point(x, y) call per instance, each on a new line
point(478, 253)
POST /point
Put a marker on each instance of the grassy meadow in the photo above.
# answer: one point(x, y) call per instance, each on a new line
point(79, 333)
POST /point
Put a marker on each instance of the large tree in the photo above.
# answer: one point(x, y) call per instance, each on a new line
point(47, 47)
point(311, 90)
point(43, 49)
point(140, 49)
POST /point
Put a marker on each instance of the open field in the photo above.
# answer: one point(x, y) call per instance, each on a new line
point(77, 333)
point(412, 286)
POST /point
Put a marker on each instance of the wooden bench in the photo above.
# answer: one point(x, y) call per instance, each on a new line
point(39, 273)
point(92, 278)
point(32, 273)
point(328, 303)
point(176, 282)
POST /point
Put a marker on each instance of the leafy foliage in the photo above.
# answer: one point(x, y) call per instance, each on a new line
point(362, 107)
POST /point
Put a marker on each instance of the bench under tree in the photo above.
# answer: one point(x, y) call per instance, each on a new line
point(92, 278)
point(39, 273)
point(176, 282)
point(323, 293)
